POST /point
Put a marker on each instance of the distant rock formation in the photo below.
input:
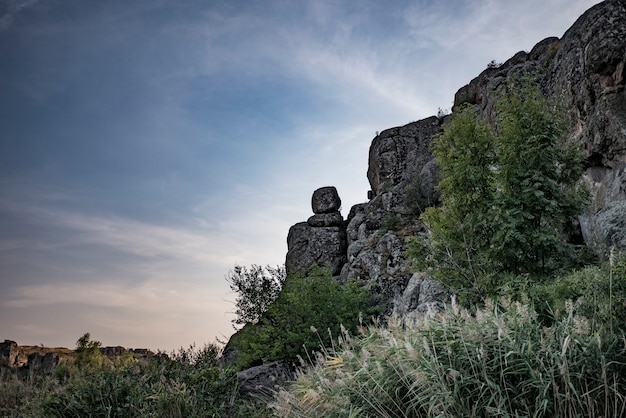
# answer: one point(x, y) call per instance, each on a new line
point(29, 359)
point(42, 363)
point(11, 355)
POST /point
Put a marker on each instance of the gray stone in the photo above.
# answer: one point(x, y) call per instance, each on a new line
point(38, 363)
point(9, 354)
point(325, 200)
point(398, 155)
point(308, 246)
point(264, 381)
point(421, 296)
point(326, 219)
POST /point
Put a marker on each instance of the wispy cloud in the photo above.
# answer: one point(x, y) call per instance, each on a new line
point(13, 8)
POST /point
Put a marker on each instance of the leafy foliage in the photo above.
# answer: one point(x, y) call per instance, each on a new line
point(460, 229)
point(256, 288)
point(306, 303)
point(88, 353)
point(536, 184)
point(507, 197)
point(598, 293)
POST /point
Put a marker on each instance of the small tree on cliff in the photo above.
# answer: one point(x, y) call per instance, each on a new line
point(508, 197)
point(256, 287)
point(88, 353)
point(536, 184)
point(460, 228)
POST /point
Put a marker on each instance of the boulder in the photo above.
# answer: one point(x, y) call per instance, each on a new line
point(326, 219)
point(42, 363)
point(308, 245)
point(9, 354)
point(264, 381)
point(325, 200)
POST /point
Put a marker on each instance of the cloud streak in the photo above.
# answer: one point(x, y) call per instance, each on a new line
point(13, 8)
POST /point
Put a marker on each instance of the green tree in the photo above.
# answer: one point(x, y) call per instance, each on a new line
point(460, 228)
point(256, 288)
point(536, 184)
point(507, 197)
point(288, 328)
point(87, 353)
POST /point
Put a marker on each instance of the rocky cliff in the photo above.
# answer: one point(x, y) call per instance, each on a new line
point(584, 69)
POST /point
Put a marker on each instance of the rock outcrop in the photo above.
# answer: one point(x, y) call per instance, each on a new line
point(585, 70)
point(42, 363)
point(265, 380)
point(370, 247)
point(402, 175)
point(321, 240)
point(11, 355)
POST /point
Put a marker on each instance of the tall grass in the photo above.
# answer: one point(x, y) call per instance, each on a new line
point(498, 362)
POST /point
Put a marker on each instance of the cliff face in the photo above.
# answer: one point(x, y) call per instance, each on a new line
point(585, 69)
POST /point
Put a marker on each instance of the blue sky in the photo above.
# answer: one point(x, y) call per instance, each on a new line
point(149, 146)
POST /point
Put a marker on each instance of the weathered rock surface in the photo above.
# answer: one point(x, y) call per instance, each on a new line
point(399, 158)
point(42, 363)
point(325, 200)
point(403, 176)
point(265, 380)
point(321, 240)
point(11, 355)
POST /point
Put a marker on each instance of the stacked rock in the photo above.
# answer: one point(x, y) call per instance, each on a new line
point(321, 240)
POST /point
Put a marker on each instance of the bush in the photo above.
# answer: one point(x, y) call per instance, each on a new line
point(498, 362)
point(187, 383)
point(598, 292)
point(306, 303)
point(508, 196)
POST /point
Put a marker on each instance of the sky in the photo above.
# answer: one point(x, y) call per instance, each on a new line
point(149, 146)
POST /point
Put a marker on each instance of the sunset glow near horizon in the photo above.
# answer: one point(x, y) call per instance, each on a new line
point(148, 147)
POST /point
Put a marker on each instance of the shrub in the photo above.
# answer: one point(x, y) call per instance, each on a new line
point(508, 196)
point(598, 292)
point(187, 383)
point(305, 303)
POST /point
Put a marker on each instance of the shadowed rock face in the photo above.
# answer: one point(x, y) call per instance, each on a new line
point(398, 155)
point(10, 354)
